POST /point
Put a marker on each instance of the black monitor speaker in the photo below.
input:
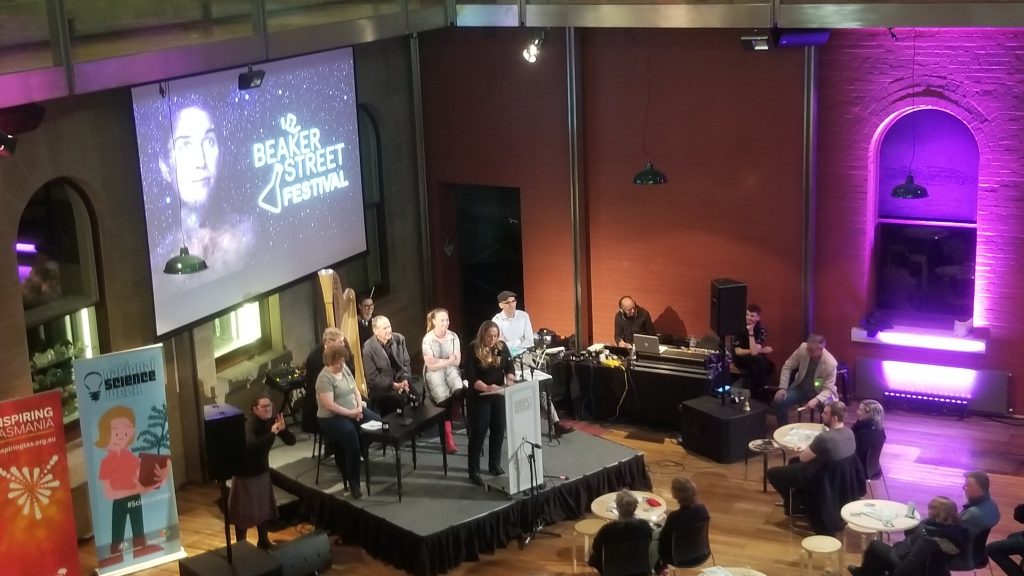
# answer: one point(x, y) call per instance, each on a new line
point(309, 554)
point(728, 306)
point(224, 428)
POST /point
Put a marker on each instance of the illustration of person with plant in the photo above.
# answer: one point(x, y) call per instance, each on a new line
point(119, 475)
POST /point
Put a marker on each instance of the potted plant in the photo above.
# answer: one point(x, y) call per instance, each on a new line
point(156, 437)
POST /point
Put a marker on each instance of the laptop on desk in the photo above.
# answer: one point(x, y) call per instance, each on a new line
point(647, 344)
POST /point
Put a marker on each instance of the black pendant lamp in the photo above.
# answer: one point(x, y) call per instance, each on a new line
point(649, 176)
point(908, 189)
point(183, 262)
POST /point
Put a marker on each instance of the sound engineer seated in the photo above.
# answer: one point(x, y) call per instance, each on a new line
point(631, 319)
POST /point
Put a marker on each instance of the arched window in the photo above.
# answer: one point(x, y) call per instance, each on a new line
point(57, 272)
point(925, 247)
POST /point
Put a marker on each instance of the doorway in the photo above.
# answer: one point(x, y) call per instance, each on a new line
point(490, 251)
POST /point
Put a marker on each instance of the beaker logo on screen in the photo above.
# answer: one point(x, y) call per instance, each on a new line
point(303, 168)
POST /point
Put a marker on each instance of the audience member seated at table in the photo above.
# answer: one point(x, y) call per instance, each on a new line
point(869, 432)
point(488, 367)
point(252, 496)
point(341, 410)
point(387, 366)
point(627, 528)
point(1013, 545)
point(631, 319)
point(924, 552)
point(314, 366)
point(830, 446)
point(689, 515)
point(815, 381)
point(442, 356)
point(980, 512)
point(750, 350)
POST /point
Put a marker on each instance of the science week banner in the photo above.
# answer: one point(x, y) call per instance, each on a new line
point(125, 434)
point(35, 496)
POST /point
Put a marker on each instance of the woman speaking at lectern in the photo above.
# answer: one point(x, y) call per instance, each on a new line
point(488, 369)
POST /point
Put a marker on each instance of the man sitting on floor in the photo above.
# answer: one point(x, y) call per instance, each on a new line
point(628, 528)
point(833, 445)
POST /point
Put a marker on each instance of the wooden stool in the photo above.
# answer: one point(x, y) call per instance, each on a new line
point(588, 528)
point(821, 545)
point(866, 534)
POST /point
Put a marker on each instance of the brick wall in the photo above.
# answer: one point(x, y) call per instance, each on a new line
point(865, 81)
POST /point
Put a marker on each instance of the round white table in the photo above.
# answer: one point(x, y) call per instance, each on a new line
point(604, 506)
point(796, 436)
point(880, 515)
point(731, 571)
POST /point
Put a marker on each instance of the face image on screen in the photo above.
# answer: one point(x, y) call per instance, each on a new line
point(267, 181)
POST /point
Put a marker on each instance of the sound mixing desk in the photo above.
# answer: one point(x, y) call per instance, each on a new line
point(647, 389)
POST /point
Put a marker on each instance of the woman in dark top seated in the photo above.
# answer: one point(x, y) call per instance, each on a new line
point(627, 528)
point(252, 496)
point(869, 433)
point(924, 552)
point(488, 368)
point(689, 515)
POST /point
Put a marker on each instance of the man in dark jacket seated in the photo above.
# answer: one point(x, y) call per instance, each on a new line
point(924, 552)
point(1001, 550)
point(628, 528)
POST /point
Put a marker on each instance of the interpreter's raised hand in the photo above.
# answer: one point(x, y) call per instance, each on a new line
point(278, 424)
point(767, 350)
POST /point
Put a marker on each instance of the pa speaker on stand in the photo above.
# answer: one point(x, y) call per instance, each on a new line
point(728, 307)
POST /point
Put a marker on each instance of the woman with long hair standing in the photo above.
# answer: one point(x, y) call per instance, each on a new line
point(488, 368)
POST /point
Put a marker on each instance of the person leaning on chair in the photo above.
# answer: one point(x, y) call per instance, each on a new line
point(815, 381)
point(830, 446)
point(924, 552)
point(627, 528)
point(1013, 545)
point(387, 365)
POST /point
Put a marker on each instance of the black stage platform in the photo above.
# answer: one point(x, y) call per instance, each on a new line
point(444, 521)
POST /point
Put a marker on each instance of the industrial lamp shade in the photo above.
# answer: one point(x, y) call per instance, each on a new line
point(909, 190)
point(185, 263)
point(649, 176)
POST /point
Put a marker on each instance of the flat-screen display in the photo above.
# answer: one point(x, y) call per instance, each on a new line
point(264, 184)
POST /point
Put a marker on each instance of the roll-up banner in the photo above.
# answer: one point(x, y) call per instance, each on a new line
point(123, 411)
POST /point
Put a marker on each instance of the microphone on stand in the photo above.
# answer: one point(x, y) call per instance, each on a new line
point(534, 444)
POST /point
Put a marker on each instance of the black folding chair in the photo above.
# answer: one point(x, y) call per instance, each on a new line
point(626, 558)
point(691, 547)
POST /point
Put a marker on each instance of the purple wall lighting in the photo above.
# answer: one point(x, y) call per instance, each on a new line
point(928, 381)
point(930, 339)
point(25, 248)
point(942, 153)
